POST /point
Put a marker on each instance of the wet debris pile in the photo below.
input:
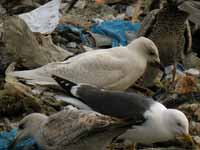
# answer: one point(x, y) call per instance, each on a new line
point(83, 41)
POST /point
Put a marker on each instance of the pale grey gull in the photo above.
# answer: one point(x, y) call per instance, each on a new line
point(115, 68)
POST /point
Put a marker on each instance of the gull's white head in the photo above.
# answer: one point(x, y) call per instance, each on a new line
point(161, 125)
point(28, 127)
point(147, 49)
point(177, 125)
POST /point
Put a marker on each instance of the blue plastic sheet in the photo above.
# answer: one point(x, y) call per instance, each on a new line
point(6, 139)
point(116, 30)
point(84, 37)
point(65, 27)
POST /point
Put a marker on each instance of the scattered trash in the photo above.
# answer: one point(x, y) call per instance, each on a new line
point(104, 34)
point(197, 140)
point(75, 34)
point(186, 84)
point(116, 30)
point(193, 72)
point(100, 41)
point(169, 71)
point(129, 11)
point(6, 137)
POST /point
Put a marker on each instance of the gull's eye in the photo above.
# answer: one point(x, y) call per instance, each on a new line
point(151, 53)
point(179, 124)
point(21, 126)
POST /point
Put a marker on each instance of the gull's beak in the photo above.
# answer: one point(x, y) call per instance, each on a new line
point(158, 65)
point(187, 138)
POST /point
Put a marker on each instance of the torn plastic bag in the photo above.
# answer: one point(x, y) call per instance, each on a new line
point(116, 29)
point(43, 19)
point(6, 139)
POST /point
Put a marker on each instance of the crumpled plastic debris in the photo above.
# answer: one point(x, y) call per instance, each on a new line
point(7, 137)
point(78, 35)
point(193, 72)
point(116, 30)
point(74, 29)
point(72, 38)
point(169, 71)
point(43, 19)
point(186, 84)
point(180, 71)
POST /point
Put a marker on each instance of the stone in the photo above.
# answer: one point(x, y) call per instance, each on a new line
point(19, 44)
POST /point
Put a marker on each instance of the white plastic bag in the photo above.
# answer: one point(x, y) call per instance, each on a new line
point(43, 19)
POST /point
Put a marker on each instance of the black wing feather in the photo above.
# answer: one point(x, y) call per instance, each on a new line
point(123, 105)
